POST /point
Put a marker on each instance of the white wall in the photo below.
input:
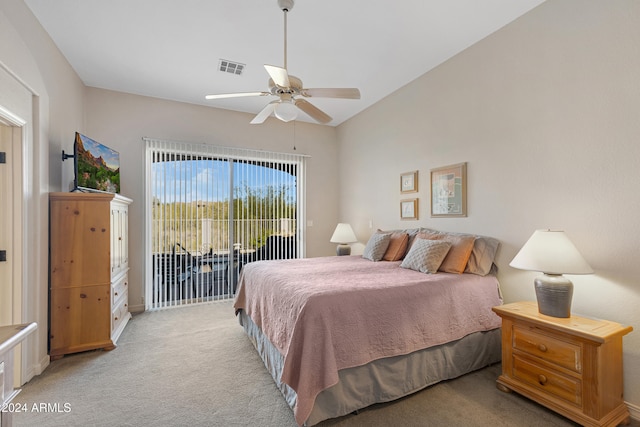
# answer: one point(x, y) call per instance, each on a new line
point(545, 113)
point(27, 53)
point(121, 121)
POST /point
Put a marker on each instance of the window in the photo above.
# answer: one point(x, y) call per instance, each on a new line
point(211, 210)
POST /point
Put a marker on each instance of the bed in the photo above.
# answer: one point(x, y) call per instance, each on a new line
point(341, 333)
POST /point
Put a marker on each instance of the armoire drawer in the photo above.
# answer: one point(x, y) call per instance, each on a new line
point(120, 312)
point(119, 289)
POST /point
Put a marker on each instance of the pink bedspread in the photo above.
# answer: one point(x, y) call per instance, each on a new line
point(326, 314)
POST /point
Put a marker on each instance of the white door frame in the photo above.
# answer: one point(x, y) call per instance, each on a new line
point(20, 110)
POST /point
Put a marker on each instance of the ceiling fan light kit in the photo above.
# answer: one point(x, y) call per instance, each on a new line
point(290, 90)
point(286, 110)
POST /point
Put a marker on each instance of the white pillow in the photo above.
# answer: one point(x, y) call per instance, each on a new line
point(376, 246)
point(426, 255)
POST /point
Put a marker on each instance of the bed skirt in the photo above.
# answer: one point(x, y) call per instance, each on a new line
point(385, 379)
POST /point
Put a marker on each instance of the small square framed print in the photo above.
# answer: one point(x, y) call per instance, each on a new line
point(409, 209)
point(409, 182)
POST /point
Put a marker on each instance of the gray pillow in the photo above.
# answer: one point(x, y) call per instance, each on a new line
point(426, 255)
point(410, 231)
point(376, 246)
point(482, 255)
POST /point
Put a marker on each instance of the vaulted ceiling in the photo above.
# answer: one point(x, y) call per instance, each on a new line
point(172, 49)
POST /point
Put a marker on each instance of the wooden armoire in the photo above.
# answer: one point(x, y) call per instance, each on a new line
point(89, 265)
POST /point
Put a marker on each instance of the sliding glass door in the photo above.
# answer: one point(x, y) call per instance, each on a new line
point(211, 210)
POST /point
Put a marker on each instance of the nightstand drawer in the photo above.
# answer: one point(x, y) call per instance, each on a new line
point(564, 387)
point(553, 350)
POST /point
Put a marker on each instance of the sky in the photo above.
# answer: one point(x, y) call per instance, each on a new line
point(208, 180)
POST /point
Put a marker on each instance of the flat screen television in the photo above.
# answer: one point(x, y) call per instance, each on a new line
point(97, 167)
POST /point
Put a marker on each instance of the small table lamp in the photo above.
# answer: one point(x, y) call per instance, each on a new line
point(552, 253)
point(342, 235)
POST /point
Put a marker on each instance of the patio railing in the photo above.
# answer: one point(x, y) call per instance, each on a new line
point(195, 260)
point(205, 235)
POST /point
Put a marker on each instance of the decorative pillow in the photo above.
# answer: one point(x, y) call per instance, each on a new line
point(482, 255)
point(426, 255)
point(412, 232)
point(397, 247)
point(376, 246)
point(458, 256)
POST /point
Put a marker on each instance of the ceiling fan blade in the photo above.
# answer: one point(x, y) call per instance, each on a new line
point(313, 111)
point(266, 112)
point(279, 75)
point(236, 95)
point(344, 93)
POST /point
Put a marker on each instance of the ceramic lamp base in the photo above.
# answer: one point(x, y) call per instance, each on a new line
point(343, 250)
point(554, 293)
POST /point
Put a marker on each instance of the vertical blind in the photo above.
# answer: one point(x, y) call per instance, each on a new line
point(210, 211)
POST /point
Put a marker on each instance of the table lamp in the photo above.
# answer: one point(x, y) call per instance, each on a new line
point(343, 235)
point(552, 253)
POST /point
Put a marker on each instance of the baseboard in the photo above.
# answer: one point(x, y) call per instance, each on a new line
point(136, 308)
point(634, 411)
point(42, 365)
point(37, 369)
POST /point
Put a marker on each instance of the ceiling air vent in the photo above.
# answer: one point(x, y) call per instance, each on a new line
point(231, 67)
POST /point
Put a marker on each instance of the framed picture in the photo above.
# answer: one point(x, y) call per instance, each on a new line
point(409, 182)
point(449, 191)
point(409, 209)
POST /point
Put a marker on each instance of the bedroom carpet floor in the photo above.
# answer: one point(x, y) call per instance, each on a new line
point(194, 366)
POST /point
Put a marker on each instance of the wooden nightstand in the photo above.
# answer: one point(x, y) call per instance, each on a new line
point(572, 366)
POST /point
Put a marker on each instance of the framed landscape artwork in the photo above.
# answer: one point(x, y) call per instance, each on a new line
point(449, 191)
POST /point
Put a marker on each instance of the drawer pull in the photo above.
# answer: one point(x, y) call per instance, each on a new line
point(116, 294)
point(542, 347)
point(542, 379)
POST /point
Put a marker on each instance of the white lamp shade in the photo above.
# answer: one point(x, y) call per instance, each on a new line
point(343, 234)
point(550, 252)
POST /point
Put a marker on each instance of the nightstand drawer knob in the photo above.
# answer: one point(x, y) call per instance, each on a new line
point(542, 379)
point(542, 347)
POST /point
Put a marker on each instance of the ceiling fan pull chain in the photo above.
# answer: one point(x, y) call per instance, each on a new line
point(294, 136)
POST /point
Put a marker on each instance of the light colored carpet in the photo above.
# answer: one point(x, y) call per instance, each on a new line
point(194, 366)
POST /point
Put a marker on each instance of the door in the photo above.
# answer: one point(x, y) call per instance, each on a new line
point(10, 259)
point(214, 209)
point(7, 288)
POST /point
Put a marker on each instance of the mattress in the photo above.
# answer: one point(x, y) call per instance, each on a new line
point(324, 316)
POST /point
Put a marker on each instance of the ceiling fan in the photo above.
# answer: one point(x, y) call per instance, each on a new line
point(289, 89)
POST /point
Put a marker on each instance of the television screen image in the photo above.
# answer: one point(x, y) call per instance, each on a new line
point(97, 166)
